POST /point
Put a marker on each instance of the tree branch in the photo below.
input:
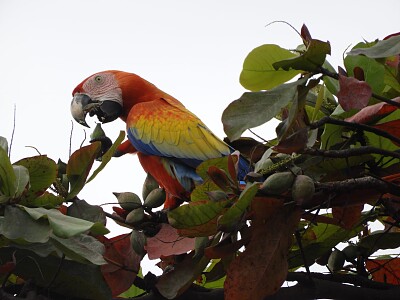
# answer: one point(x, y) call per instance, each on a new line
point(350, 152)
point(357, 126)
point(367, 182)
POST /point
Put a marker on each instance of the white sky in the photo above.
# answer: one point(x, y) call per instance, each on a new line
point(192, 50)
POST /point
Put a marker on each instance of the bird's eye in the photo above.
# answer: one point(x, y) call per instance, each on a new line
point(98, 78)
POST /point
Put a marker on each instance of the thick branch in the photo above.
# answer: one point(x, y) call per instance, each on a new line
point(327, 286)
point(350, 152)
point(367, 182)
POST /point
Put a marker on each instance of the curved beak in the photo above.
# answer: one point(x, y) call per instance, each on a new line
point(79, 108)
point(106, 110)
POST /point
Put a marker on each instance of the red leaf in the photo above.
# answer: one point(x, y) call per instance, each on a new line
point(347, 216)
point(7, 268)
point(265, 259)
point(219, 177)
point(120, 211)
point(63, 209)
point(123, 263)
point(168, 242)
point(373, 112)
point(385, 270)
point(392, 127)
point(359, 74)
point(391, 35)
point(353, 94)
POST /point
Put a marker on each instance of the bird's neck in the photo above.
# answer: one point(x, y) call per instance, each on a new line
point(136, 90)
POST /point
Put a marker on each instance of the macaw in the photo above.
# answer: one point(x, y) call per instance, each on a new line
point(169, 140)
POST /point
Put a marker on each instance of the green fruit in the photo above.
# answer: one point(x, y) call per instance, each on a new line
point(138, 241)
point(155, 198)
point(278, 183)
point(336, 260)
point(128, 201)
point(350, 252)
point(61, 168)
point(303, 189)
point(97, 133)
point(135, 216)
point(149, 184)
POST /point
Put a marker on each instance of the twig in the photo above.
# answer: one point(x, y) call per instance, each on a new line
point(13, 131)
point(57, 272)
point(116, 218)
point(357, 126)
point(306, 265)
point(34, 148)
point(70, 139)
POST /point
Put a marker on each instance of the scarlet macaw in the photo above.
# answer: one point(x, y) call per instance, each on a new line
point(170, 140)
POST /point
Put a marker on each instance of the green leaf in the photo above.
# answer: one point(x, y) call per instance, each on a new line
point(4, 143)
point(219, 162)
point(133, 291)
point(331, 83)
point(73, 279)
point(199, 219)
point(311, 60)
point(65, 226)
point(21, 179)
point(384, 143)
point(258, 72)
point(373, 71)
point(7, 175)
point(327, 236)
point(234, 213)
point(78, 167)
point(41, 249)
point(46, 200)
point(42, 173)
point(82, 248)
point(391, 80)
point(18, 225)
point(107, 156)
point(83, 210)
point(254, 109)
point(379, 241)
point(385, 48)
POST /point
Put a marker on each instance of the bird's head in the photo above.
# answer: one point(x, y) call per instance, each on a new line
point(108, 95)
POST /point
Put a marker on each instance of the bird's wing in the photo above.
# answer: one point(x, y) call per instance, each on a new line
point(163, 127)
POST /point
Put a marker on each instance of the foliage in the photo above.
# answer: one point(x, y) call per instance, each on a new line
point(336, 149)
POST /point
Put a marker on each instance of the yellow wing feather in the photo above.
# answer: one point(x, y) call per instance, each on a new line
point(167, 127)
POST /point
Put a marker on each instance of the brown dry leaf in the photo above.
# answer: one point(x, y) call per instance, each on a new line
point(262, 268)
point(347, 216)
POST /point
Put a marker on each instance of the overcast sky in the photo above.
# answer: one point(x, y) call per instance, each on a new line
point(193, 50)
